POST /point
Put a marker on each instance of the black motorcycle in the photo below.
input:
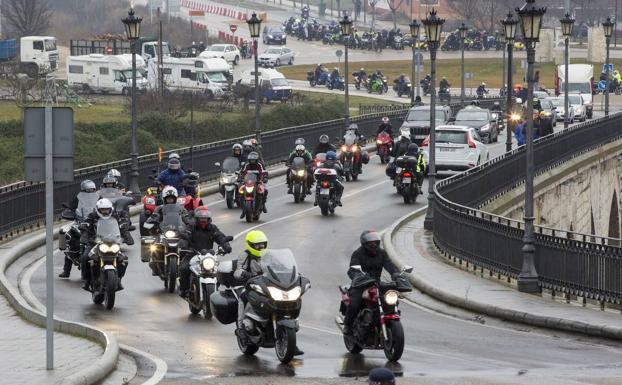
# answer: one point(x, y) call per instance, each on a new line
point(407, 179)
point(298, 174)
point(444, 95)
point(325, 192)
point(402, 87)
point(69, 235)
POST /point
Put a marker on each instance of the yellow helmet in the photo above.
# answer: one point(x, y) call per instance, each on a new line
point(543, 114)
point(257, 243)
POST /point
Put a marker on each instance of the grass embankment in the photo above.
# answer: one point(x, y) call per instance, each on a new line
point(487, 70)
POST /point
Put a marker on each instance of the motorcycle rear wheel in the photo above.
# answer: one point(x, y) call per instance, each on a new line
point(351, 345)
point(285, 344)
point(324, 207)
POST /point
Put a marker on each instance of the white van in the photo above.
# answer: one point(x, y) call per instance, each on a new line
point(580, 81)
point(208, 76)
point(273, 84)
point(108, 74)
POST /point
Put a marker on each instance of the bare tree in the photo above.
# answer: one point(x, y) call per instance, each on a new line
point(394, 6)
point(372, 5)
point(26, 17)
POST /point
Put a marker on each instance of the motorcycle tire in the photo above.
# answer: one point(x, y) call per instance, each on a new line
point(171, 279)
point(394, 344)
point(329, 86)
point(208, 290)
point(351, 345)
point(406, 196)
point(110, 289)
point(247, 348)
point(347, 177)
point(324, 207)
point(357, 86)
point(285, 344)
point(248, 211)
point(141, 221)
point(297, 194)
point(194, 296)
point(230, 200)
point(355, 176)
point(97, 297)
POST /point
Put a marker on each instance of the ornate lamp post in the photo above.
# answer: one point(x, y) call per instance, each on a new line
point(567, 23)
point(509, 27)
point(608, 28)
point(346, 32)
point(463, 31)
point(414, 36)
point(132, 32)
point(434, 28)
point(531, 22)
point(254, 26)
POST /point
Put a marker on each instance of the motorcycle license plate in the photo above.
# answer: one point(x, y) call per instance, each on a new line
point(324, 191)
point(406, 180)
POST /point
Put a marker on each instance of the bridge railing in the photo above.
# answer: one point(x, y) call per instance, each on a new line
point(569, 262)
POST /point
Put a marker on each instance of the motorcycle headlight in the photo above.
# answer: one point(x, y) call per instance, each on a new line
point(515, 117)
point(344, 148)
point(249, 189)
point(170, 234)
point(208, 263)
point(104, 248)
point(114, 248)
point(284, 295)
point(223, 180)
point(153, 248)
point(300, 173)
point(355, 148)
point(495, 116)
point(379, 142)
point(391, 297)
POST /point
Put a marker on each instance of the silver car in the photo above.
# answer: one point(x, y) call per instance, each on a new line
point(560, 111)
point(276, 56)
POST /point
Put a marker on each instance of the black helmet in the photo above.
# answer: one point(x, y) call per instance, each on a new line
point(370, 240)
point(413, 149)
point(253, 158)
point(381, 376)
point(324, 139)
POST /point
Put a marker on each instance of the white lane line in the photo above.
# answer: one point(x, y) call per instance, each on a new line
point(161, 366)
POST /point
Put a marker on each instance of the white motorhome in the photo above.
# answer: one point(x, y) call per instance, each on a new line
point(105, 73)
point(207, 76)
point(580, 81)
point(272, 84)
point(38, 54)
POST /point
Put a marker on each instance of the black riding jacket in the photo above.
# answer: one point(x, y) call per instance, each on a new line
point(370, 264)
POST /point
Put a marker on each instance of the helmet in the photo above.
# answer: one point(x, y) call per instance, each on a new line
point(173, 155)
point(256, 243)
point(370, 240)
point(353, 126)
point(299, 141)
point(484, 84)
point(331, 155)
point(109, 181)
point(174, 164)
point(253, 157)
point(104, 208)
point(413, 149)
point(169, 191)
point(254, 142)
point(88, 185)
point(202, 217)
point(543, 114)
point(236, 149)
point(324, 139)
point(319, 64)
point(362, 69)
point(417, 98)
point(336, 69)
point(113, 172)
point(385, 120)
point(381, 376)
point(300, 149)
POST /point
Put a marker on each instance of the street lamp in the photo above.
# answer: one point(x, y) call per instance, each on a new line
point(608, 28)
point(433, 28)
point(463, 31)
point(531, 22)
point(254, 26)
point(567, 23)
point(346, 32)
point(132, 31)
point(414, 36)
point(509, 27)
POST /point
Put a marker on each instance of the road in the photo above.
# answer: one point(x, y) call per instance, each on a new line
point(438, 346)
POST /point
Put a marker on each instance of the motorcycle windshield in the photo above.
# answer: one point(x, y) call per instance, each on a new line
point(279, 267)
point(171, 216)
point(349, 138)
point(108, 230)
point(251, 176)
point(298, 163)
point(110, 193)
point(230, 165)
point(86, 204)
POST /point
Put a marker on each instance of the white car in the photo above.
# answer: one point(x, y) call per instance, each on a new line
point(458, 148)
point(274, 57)
point(580, 109)
point(229, 52)
point(558, 102)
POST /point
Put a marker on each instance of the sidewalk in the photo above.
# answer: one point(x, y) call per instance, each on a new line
point(408, 243)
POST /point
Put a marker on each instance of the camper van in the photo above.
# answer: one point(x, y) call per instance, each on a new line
point(207, 76)
point(272, 84)
point(107, 74)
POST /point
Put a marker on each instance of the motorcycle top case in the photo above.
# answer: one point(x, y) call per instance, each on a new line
point(406, 162)
point(224, 307)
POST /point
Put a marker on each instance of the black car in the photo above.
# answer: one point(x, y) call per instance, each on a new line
point(481, 119)
point(274, 35)
point(417, 121)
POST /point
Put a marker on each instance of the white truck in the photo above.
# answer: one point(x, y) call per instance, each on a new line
point(199, 75)
point(272, 85)
point(148, 47)
point(580, 81)
point(38, 55)
point(106, 74)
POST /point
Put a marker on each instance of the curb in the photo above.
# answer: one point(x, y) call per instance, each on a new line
point(494, 311)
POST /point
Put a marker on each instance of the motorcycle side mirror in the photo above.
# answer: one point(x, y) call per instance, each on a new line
point(67, 214)
point(217, 164)
point(407, 269)
point(228, 238)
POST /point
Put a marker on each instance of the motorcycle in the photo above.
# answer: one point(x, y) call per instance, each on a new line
point(402, 88)
point(106, 259)
point(377, 325)
point(498, 116)
point(298, 172)
point(228, 181)
point(325, 192)
point(384, 146)
point(444, 95)
point(481, 92)
point(323, 80)
point(378, 85)
point(203, 283)
point(425, 86)
point(251, 196)
point(190, 201)
point(350, 156)
point(406, 181)
point(151, 200)
point(164, 251)
point(69, 235)
point(273, 303)
point(359, 80)
point(337, 83)
point(398, 42)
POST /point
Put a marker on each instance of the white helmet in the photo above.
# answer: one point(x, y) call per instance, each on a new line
point(173, 155)
point(169, 191)
point(385, 120)
point(300, 149)
point(484, 84)
point(114, 173)
point(104, 208)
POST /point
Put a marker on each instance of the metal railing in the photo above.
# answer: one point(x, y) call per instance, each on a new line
point(577, 264)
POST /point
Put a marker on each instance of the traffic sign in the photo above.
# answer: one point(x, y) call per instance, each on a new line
point(233, 28)
point(610, 67)
point(339, 53)
point(602, 85)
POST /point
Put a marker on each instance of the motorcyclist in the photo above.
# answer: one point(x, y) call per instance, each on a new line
point(173, 176)
point(385, 126)
point(481, 90)
point(444, 84)
point(103, 210)
point(251, 145)
point(202, 234)
point(323, 146)
point(109, 182)
point(300, 152)
point(400, 81)
point(114, 173)
point(368, 259)
point(496, 107)
point(334, 76)
point(236, 152)
point(333, 163)
point(413, 150)
point(418, 101)
point(253, 164)
point(169, 197)
point(248, 266)
point(537, 106)
point(362, 75)
point(318, 71)
point(401, 146)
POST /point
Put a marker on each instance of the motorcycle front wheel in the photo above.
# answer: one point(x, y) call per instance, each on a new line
point(194, 296)
point(172, 274)
point(247, 348)
point(208, 289)
point(394, 343)
point(230, 199)
point(285, 344)
point(248, 211)
point(110, 289)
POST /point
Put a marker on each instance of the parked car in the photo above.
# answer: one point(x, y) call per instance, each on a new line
point(550, 109)
point(229, 52)
point(274, 57)
point(560, 112)
point(417, 121)
point(458, 148)
point(479, 118)
point(579, 105)
point(273, 34)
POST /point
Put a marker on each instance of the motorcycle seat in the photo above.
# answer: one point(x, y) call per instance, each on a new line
point(344, 289)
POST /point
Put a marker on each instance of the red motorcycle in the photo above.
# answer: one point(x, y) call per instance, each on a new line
point(377, 325)
point(251, 196)
point(384, 146)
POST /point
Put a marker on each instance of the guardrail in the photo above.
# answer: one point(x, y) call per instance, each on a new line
point(577, 264)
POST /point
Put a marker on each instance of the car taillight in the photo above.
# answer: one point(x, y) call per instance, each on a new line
point(471, 142)
point(426, 141)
